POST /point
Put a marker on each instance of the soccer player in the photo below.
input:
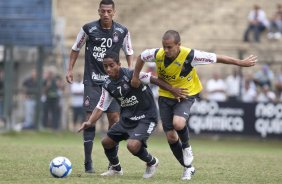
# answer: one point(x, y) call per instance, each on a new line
point(100, 36)
point(176, 66)
point(138, 117)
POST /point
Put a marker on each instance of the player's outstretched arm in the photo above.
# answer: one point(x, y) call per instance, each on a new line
point(247, 62)
point(96, 114)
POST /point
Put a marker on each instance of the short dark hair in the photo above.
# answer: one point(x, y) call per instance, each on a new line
point(107, 2)
point(113, 56)
point(172, 34)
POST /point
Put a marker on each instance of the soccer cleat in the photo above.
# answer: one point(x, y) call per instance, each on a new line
point(151, 170)
point(112, 172)
point(88, 167)
point(188, 172)
point(188, 156)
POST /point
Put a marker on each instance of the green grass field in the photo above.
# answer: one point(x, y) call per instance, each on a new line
point(25, 158)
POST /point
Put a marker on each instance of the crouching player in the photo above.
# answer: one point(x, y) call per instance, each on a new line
point(138, 115)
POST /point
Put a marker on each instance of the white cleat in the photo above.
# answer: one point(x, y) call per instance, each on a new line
point(112, 172)
point(188, 156)
point(187, 173)
point(151, 170)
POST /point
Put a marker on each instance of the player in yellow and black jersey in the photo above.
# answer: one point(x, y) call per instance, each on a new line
point(176, 66)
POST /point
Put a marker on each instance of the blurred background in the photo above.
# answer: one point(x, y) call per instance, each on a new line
point(36, 37)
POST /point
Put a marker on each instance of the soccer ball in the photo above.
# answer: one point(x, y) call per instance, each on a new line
point(60, 167)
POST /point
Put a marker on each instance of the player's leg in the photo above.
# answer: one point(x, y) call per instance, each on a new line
point(181, 115)
point(175, 145)
point(88, 138)
point(91, 98)
point(166, 113)
point(113, 117)
point(166, 107)
point(181, 128)
point(136, 144)
point(110, 142)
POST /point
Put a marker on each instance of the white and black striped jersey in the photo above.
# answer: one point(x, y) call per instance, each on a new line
point(135, 103)
point(98, 42)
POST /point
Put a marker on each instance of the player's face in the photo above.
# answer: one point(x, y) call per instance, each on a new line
point(171, 48)
point(111, 67)
point(106, 13)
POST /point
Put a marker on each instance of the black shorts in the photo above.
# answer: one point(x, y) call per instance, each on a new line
point(92, 96)
point(169, 107)
point(141, 132)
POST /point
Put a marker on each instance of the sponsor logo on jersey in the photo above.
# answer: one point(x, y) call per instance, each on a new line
point(165, 76)
point(144, 76)
point(135, 118)
point(148, 57)
point(92, 29)
point(119, 29)
point(115, 37)
point(128, 101)
point(107, 83)
point(189, 78)
point(99, 53)
point(99, 77)
point(206, 60)
point(126, 78)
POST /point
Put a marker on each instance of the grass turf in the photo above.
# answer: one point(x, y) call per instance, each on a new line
point(25, 158)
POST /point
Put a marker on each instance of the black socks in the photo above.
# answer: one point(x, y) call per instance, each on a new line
point(184, 137)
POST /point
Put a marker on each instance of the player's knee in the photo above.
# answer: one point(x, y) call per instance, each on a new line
point(178, 127)
point(107, 142)
point(133, 146)
point(179, 122)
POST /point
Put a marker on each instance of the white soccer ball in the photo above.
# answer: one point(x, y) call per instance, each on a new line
point(60, 167)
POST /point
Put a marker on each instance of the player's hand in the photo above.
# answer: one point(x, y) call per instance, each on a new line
point(84, 126)
point(69, 77)
point(135, 82)
point(179, 93)
point(249, 61)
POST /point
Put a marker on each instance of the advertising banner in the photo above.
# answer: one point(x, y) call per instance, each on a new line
point(255, 119)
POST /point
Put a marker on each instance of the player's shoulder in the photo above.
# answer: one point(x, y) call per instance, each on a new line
point(92, 23)
point(107, 83)
point(119, 27)
point(126, 73)
point(91, 26)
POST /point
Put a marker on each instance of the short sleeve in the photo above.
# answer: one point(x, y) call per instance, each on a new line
point(149, 55)
point(145, 77)
point(203, 58)
point(105, 100)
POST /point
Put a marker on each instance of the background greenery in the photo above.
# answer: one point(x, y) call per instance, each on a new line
point(25, 158)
